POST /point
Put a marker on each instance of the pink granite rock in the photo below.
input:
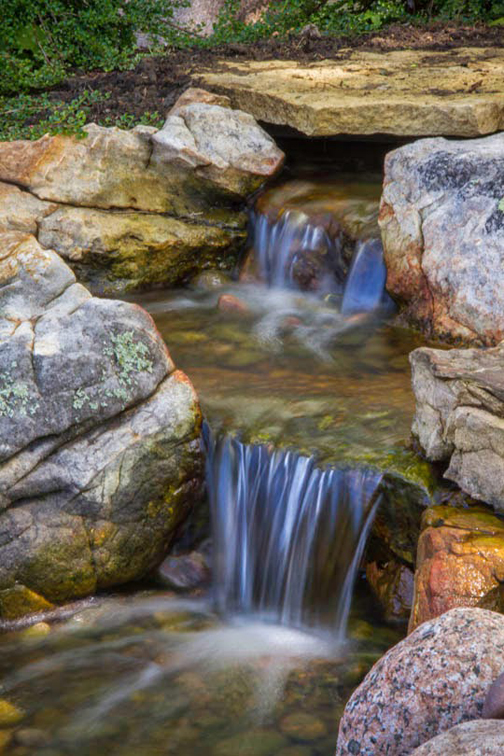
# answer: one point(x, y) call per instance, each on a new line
point(436, 678)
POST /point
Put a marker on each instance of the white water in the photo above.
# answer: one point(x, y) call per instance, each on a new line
point(287, 536)
point(279, 246)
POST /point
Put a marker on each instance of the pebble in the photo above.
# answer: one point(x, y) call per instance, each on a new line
point(301, 726)
point(31, 737)
point(230, 303)
point(9, 714)
point(38, 630)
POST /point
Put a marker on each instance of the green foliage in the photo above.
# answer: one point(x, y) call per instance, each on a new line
point(31, 116)
point(40, 40)
point(345, 16)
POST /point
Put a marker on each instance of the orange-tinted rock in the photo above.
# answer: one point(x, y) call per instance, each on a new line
point(460, 561)
point(392, 584)
point(230, 303)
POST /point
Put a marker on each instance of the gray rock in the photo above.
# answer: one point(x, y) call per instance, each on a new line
point(459, 416)
point(226, 147)
point(145, 207)
point(185, 572)
point(442, 223)
point(477, 738)
point(99, 435)
point(436, 678)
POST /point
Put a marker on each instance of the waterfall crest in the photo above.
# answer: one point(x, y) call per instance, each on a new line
point(288, 536)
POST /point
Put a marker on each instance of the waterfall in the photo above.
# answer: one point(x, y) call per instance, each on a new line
point(365, 283)
point(284, 245)
point(292, 252)
point(288, 536)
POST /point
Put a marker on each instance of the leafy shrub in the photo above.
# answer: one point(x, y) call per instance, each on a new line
point(346, 16)
point(41, 39)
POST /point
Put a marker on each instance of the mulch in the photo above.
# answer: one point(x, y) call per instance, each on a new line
point(156, 82)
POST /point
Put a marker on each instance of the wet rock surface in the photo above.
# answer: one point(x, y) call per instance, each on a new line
point(100, 457)
point(185, 572)
point(123, 251)
point(460, 562)
point(459, 409)
point(132, 209)
point(392, 584)
point(436, 678)
point(442, 223)
point(477, 738)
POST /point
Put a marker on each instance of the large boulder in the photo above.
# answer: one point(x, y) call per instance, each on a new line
point(460, 416)
point(436, 678)
point(460, 562)
point(442, 223)
point(100, 456)
point(125, 251)
point(477, 738)
point(132, 209)
point(204, 153)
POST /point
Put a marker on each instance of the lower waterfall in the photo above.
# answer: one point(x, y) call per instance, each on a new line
point(288, 536)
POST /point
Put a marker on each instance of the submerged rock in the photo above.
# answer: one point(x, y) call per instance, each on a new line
point(131, 209)
point(302, 726)
point(253, 743)
point(99, 435)
point(10, 715)
point(442, 223)
point(185, 572)
point(230, 303)
point(460, 561)
point(436, 678)
point(476, 738)
point(459, 409)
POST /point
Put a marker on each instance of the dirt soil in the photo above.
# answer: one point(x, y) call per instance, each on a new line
point(156, 82)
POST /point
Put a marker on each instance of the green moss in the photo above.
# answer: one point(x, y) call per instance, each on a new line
point(478, 520)
point(20, 600)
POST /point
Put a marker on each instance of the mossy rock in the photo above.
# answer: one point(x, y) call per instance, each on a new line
point(20, 600)
point(408, 487)
point(10, 715)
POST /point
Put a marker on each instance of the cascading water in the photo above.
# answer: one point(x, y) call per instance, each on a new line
point(365, 283)
point(281, 246)
point(287, 536)
point(294, 252)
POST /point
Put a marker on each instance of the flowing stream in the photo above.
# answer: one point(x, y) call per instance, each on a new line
point(306, 392)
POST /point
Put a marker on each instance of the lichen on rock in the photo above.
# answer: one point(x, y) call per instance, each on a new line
point(99, 436)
